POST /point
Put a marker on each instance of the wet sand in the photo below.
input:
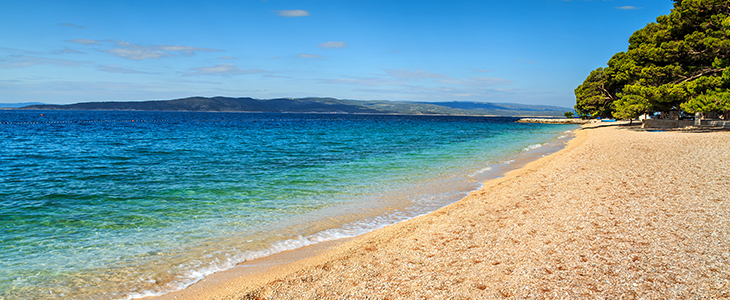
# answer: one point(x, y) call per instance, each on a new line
point(619, 213)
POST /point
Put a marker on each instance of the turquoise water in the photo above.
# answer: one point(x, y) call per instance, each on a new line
point(100, 205)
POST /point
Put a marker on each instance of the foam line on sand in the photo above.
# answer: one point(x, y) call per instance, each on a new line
point(618, 213)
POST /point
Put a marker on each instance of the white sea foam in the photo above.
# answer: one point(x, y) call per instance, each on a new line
point(532, 147)
point(562, 137)
point(347, 231)
point(354, 229)
point(480, 171)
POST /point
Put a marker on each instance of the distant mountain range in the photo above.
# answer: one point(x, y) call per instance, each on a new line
point(314, 105)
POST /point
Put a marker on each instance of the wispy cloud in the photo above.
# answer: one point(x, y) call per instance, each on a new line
point(479, 81)
point(20, 51)
point(227, 57)
point(416, 74)
point(75, 91)
point(21, 61)
point(184, 50)
point(131, 51)
point(68, 51)
point(72, 25)
point(305, 55)
point(139, 52)
point(222, 70)
point(424, 85)
point(365, 81)
point(628, 7)
point(118, 69)
point(85, 41)
point(481, 71)
point(292, 13)
point(335, 45)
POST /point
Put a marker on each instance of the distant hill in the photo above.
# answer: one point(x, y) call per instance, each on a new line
point(21, 104)
point(316, 105)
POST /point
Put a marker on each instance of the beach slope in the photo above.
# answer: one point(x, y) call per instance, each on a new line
point(618, 213)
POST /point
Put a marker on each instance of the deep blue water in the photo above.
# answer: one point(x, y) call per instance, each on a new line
point(98, 205)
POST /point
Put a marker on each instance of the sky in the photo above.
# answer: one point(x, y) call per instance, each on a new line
point(520, 51)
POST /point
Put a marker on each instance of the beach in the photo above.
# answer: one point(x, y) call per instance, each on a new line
point(618, 213)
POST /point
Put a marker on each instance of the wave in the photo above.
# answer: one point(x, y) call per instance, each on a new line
point(486, 169)
point(353, 229)
point(532, 147)
point(350, 230)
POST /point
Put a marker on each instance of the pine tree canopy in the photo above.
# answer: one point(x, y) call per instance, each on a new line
point(680, 57)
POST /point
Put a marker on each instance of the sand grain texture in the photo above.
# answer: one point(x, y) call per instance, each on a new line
point(618, 214)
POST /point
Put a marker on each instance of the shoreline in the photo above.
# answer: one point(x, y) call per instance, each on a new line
point(555, 121)
point(250, 271)
point(614, 213)
point(555, 227)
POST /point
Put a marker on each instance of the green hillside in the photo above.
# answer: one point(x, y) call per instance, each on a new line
point(316, 105)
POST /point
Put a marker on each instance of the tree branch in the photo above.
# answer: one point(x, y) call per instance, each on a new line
point(608, 95)
point(698, 75)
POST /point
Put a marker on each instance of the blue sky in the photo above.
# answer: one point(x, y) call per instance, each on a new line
point(522, 51)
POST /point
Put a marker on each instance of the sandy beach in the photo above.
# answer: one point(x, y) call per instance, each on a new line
point(620, 213)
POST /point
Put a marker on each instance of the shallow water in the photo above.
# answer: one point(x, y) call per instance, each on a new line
point(99, 205)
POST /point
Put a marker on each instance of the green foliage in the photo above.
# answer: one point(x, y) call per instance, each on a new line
point(679, 57)
point(317, 105)
point(596, 94)
point(631, 106)
point(568, 114)
point(713, 101)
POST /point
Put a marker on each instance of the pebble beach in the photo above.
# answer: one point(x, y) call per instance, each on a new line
point(619, 213)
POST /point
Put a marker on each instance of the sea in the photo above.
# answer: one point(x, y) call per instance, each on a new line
point(123, 205)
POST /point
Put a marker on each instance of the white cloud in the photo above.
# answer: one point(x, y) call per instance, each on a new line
point(184, 50)
point(72, 25)
point(365, 81)
point(67, 51)
point(304, 55)
point(227, 57)
point(335, 45)
point(84, 41)
point(139, 52)
point(417, 74)
point(222, 70)
point(21, 61)
point(20, 51)
point(118, 69)
point(628, 7)
point(76, 91)
point(292, 13)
